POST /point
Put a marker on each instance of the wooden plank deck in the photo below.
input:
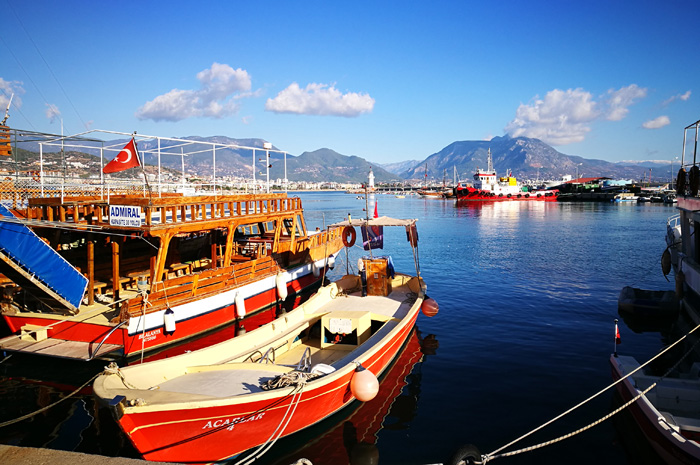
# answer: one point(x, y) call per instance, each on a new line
point(56, 347)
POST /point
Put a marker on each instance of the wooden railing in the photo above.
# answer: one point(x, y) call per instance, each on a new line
point(169, 210)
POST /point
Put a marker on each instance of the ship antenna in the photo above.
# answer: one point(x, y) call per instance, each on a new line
point(7, 110)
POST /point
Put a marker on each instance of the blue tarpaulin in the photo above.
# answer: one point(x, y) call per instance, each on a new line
point(37, 259)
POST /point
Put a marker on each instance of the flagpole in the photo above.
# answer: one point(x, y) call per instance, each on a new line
point(143, 169)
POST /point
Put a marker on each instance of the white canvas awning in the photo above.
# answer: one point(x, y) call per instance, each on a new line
point(381, 221)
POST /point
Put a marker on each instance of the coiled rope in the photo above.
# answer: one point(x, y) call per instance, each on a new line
point(43, 409)
point(277, 433)
point(496, 454)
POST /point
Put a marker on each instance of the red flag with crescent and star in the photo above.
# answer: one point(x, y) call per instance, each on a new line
point(127, 158)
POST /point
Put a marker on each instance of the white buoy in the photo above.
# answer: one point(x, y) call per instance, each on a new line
point(363, 384)
point(281, 284)
point(169, 320)
point(240, 305)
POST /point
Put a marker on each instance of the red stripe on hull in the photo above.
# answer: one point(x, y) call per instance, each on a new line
point(156, 337)
point(221, 432)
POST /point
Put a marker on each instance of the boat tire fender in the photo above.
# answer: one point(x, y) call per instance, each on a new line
point(527, 196)
point(349, 236)
point(508, 195)
point(694, 180)
point(466, 455)
point(680, 182)
point(539, 195)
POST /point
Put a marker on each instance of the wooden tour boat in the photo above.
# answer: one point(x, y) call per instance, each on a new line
point(107, 270)
point(213, 404)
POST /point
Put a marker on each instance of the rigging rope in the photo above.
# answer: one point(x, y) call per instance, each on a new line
point(29, 415)
point(497, 454)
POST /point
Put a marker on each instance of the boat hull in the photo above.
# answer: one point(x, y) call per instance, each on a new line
point(192, 319)
point(668, 443)
point(218, 430)
point(469, 194)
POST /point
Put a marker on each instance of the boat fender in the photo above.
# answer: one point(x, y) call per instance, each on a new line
point(694, 180)
point(364, 386)
point(331, 261)
point(412, 235)
point(349, 236)
point(466, 455)
point(519, 195)
point(527, 196)
point(169, 320)
point(240, 305)
point(539, 195)
point(508, 195)
point(666, 262)
point(680, 182)
point(316, 269)
point(429, 307)
point(680, 279)
point(281, 284)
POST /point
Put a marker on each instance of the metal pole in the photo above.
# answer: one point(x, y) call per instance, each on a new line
point(213, 150)
point(267, 168)
point(160, 189)
point(41, 167)
point(254, 183)
point(286, 182)
point(182, 155)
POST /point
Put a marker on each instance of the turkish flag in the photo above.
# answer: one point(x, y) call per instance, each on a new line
point(127, 158)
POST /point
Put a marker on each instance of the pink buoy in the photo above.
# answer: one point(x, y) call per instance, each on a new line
point(429, 307)
point(364, 386)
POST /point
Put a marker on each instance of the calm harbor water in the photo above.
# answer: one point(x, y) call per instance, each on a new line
point(527, 293)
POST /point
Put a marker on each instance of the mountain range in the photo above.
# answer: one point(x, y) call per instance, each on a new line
point(526, 158)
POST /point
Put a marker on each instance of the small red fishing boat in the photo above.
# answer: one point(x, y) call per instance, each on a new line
point(213, 404)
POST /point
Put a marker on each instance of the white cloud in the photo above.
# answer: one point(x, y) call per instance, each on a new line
point(560, 118)
point(657, 123)
point(319, 99)
point(52, 113)
point(564, 116)
point(221, 86)
point(684, 97)
point(7, 88)
point(619, 100)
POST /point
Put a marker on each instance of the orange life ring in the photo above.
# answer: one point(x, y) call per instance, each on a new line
point(349, 231)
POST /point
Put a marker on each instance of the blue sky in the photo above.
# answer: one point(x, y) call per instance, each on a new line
point(386, 81)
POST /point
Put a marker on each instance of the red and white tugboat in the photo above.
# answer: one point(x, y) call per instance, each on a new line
point(489, 188)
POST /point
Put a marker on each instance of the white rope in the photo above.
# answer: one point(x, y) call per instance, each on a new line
point(492, 455)
point(29, 415)
point(265, 446)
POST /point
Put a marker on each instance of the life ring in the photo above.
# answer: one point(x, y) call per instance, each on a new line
point(349, 231)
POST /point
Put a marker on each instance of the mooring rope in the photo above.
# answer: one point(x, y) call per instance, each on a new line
point(496, 454)
point(286, 418)
point(29, 415)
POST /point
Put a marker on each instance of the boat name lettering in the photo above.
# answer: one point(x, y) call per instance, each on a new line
point(149, 335)
point(232, 421)
point(124, 215)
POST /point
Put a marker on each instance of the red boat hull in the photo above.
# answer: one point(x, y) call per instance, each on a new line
point(261, 309)
point(469, 194)
point(220, 432)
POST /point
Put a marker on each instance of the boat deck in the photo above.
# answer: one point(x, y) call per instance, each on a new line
point(232, 379)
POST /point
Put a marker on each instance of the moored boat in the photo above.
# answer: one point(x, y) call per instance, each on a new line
point(487, 187)
point(215, 403)
point(105, 271)
point(666, 408)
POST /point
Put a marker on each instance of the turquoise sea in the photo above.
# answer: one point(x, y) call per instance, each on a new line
point(528, 296)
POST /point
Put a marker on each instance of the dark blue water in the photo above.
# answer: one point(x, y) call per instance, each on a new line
point(528, 294)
